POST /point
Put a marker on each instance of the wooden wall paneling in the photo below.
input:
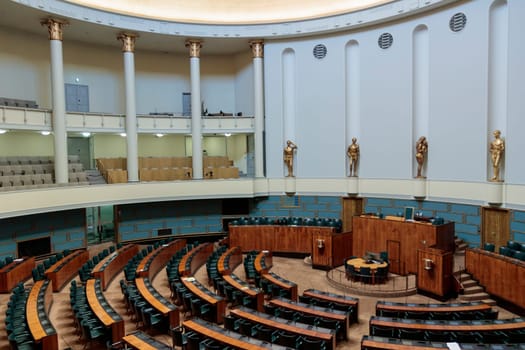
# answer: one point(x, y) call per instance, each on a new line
point(351, 206)
point(495, 226)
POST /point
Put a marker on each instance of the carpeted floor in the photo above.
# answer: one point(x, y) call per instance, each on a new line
point(293, 269)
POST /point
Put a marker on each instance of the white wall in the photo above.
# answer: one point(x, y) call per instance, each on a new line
point(458, 131)
point(244, 96)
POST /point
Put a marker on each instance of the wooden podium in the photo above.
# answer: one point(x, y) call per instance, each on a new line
point(330, 249)
point(434, 272)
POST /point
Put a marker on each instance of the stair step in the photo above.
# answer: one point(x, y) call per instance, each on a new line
point(490, 302)
point(465, 276)
point(473, 290)
point(475, 297)
point(469, 283)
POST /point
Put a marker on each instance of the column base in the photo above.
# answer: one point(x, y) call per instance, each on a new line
point(352, 185)
point(495, 193)
point(289, 185)
point(420, 188)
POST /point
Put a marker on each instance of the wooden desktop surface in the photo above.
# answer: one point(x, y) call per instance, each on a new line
point(235, 259)
point(217, 302)
point(171, 313)
point(357, 263)
point(451, 326)
point(339, 299)
point(375, 344)
point(263, 262)
point(66, 268)
point(152, 263)
point(196, 258)
point(48, 341)
point(139, 343)
point(119, 259)
point(15, 272)
point(245, 288)
point(284, 284)
point(117, 326)
point(435, 308)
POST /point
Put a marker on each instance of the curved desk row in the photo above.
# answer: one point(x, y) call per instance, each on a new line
point(263, 262)
point(296, 328)
point(382, 343)
point(158, 302)
point(255, 295)
point(195, 258)
point(229, 260)
point(37, 308)
point(104, 312)
point(17, 271)
point(289, 286)
point(152, 263)
point(351, 302)
point(66, 268)
point(226, 337)
point(392, 309)
point(112, 264)
point(217, 303)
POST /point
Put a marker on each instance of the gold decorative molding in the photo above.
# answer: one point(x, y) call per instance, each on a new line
point(257, 48)
point(54, 27)
point(195, 47)
point(128, 41)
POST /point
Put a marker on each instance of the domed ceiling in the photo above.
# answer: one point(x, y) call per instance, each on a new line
point(231, 11)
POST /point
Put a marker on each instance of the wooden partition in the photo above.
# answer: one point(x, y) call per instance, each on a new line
point(284, 239)
point(152, 263)
point(194, 259)
point(434, 271)
point(502, 276)
point(17, 271)
point(66, 268)
point(41, 329)
point(234, 258)
point(330, 249)
point(401, 239)
point(112, 264)
point(263, 262)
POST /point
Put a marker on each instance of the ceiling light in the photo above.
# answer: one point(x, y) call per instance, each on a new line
point(227, 134)
point(45, 133)
point(86, 134)
point(159, 135)
point(123, 134)
point(2, 131)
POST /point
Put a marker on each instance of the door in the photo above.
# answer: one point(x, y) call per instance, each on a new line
point(495, 226)
point(186, 104)
point(80, 146)
point(393, 248)
point(77, 98)
point(351, 206)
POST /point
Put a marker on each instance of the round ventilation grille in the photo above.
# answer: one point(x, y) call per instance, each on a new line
point(457, 22)
point(385, 40)
point(319, 51)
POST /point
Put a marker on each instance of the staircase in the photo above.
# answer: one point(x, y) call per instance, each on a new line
point(94, 177)
point(472, 291)
point(460, 246)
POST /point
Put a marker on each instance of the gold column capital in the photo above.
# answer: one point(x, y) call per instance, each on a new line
point(54, 27)
point(128, 41)
point(257, 48)
point(195, 47)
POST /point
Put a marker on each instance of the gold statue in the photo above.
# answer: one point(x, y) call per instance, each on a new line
point(288, 156)
point(421, 154)
point(497, 147)
point(353, 154)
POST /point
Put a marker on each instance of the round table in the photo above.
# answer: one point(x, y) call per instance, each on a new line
point(357, 263)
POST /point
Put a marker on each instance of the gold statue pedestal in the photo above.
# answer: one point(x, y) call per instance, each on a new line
point(352, 185)
point(495, 192)
point(289, 185)
point(420, 187)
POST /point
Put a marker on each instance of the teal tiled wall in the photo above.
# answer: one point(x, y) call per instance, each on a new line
point(67, 229)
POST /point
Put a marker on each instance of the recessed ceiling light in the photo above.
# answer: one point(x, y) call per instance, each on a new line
point(228, 134)
point(159, 135)
point(86, 134)
point(2, 131)
point(123, 134)
point(45, 133)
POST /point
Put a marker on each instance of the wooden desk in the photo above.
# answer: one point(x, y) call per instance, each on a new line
point(369, 342)
point(291, 287)
point(112, 321)
point(66, 268)
point(277, 238)
point(112, 264)
point(329, 249)
point(158, 302)
point(358, 263)
point(217, 303)
point(400, 239)
point(296, 328)
point(336, 298)
point(501, 275)
point(449, 326)
point(194, 259)
point(434, 308)
point(233, 256)
point(308, 309)
point(17, 271)
point(142, 341)
point(263, 262)
point(152, 263)
point(226, 337)
point(41, 329)
point(255, 294)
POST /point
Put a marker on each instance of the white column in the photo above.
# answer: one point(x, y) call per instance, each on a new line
point(54, 27)
point(196, 132)
point(128, 48)
point(258, 88)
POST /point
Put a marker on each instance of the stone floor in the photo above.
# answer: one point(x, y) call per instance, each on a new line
point(293, 269)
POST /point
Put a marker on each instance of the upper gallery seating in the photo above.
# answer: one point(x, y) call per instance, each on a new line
point(14, 102)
